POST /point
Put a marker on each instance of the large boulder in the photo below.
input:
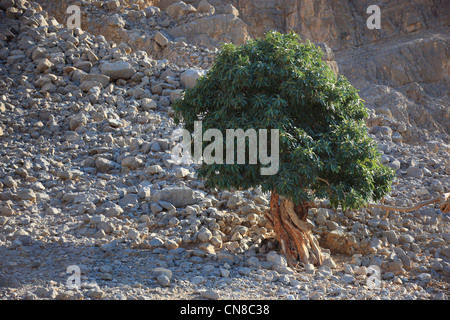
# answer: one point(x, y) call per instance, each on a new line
point(179, 9)
point(103, 79)
point(178, 196)
point(117, 70)
point(213, 30)
point(205, 7)
point(189, 77)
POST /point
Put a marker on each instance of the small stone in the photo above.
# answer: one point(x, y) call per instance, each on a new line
point(348, 268)
point(392, 237)
point(406, 238)
point(244, 271)
point(105, 165)
point(100, 234)
point(424, 277)
point(230, 9)
point(181, 173)
point(155, 208)
point(309, 268)
point(89, 84)
point(171, 244)
point(156, 243)
point(148, 104)
point(10, 182)
point(96, 294)
point(325, 271)
point(43, 65)
point(173, 222)
point(162, 271)
point(440, 296)
point(316, 296)
point(161, 39)
point(113, 211)
point(198, 280)
point(132, 162)
point(329, 262)
point(26, 194)
point(163, 280)
point(275, 258)
point(347, 278)
point(210, 294)
point(155, 169)
point(224, 272)
point(204, 234)
point(360, 271)
point(78, 120)
point(133, 234)
point(435, 265)
point(414, 172)
point(100, 78)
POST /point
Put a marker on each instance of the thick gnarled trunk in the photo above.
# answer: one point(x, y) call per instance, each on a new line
point(292, 231)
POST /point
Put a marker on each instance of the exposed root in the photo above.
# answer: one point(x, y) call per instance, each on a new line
point(292, 232)
point(443, 199)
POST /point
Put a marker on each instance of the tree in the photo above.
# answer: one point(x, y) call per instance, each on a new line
point(325, 152)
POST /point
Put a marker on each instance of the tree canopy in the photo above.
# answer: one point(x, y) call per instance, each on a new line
point(278, 82)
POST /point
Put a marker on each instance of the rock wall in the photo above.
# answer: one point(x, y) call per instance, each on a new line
point(403, 67)
point(341, 24)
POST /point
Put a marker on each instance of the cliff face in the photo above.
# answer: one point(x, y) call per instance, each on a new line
point(402, 67)
point(340, 23)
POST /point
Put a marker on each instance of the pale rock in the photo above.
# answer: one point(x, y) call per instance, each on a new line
point(132, 162)
point(205, 7)
point(181, 173)
point(105, 165)
point(148, 104)
point(178, 196)
point(43, 65)
point(78, 120)
point(26, 194)
point(230, 9)
point(117, 70)
point(154, 169)
point(10, 182)
point(161, 39)
point(179, 9)
point(101, 78)
point(83, 65)
point(189, 77)
point(204, 234)
point(116, 21)
point(113, 211)
point(414, 172)
point(89, 84)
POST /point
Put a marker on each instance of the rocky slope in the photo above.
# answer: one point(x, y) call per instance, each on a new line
point(87, 176)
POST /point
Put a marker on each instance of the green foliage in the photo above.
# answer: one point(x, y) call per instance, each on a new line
point(278, 82)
